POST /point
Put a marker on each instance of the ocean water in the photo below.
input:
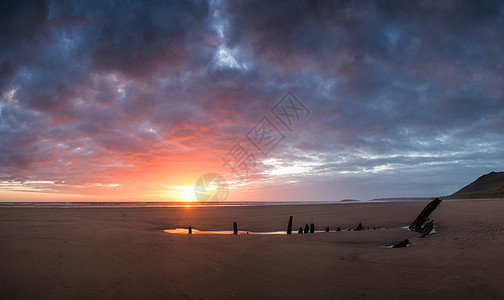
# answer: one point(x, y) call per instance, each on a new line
point(162, 204)
point(199, 204)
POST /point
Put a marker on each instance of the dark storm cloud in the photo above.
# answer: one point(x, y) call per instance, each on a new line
point(387, 78)
point(89, 68)
point(20, 132)
point(136, 38)
point(424, 67)
point(64, 40)
point(392, 85)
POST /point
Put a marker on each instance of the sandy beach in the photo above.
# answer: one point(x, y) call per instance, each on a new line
point(123, 253)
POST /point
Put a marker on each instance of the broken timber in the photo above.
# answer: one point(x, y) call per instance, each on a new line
point(289, 227)
point(401, 244)
point(418, 224)
point(427, 228)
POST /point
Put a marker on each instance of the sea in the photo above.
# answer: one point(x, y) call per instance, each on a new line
point(159, 204)
point(112, 204)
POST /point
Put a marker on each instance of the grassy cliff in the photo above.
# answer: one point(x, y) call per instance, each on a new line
point(490, 185)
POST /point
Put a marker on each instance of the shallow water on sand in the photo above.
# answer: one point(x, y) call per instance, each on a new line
point(196, 231)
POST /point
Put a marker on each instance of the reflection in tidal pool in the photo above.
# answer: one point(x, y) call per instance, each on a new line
point(196, 231)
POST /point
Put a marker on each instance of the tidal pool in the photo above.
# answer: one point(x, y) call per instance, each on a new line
point(196, 231)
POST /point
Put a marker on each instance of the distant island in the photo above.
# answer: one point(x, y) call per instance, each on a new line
point(490, 185)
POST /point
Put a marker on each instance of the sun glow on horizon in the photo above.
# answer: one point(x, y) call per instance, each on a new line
point(186, 193)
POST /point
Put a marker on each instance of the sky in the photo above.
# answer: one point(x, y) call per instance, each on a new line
point(285, 100)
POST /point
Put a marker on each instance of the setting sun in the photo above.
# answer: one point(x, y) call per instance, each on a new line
point(187, 193)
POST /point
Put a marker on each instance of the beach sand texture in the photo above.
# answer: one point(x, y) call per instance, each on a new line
point(123, 253)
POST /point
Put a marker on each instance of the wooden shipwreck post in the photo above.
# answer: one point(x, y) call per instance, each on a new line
point(418, 224)
point(289, 227)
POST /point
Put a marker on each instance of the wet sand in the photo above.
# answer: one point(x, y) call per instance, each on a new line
point(123, 253)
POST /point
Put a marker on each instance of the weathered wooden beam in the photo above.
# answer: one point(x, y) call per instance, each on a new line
point(401, 244)
point(417, 225)
point(289, 227)
point(427, 228)
point(359, 227)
